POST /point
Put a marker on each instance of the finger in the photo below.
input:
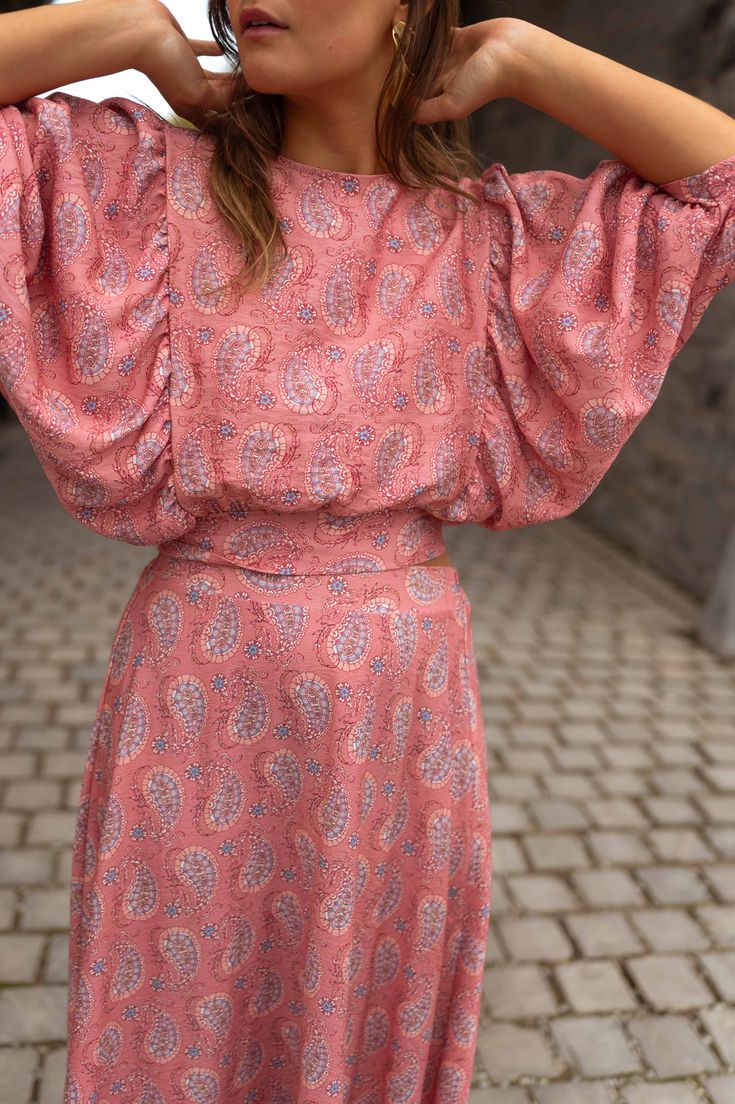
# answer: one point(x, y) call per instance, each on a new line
point(436, 110)
point(205, 46)
point(216, 92)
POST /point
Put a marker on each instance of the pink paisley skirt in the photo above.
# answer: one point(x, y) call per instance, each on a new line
point(282, 865)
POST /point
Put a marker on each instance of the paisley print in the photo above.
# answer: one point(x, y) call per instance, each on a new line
point(281, 872)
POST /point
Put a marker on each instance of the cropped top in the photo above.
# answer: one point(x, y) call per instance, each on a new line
point(419, 359)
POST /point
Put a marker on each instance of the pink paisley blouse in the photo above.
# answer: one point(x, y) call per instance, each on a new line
point(416, 361)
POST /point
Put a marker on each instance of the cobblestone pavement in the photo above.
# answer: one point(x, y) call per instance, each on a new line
point(611, 744)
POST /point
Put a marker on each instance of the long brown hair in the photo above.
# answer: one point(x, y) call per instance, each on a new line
point(249, 133)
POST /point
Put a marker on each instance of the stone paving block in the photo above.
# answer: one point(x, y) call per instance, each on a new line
point(595, 986)
point(535, 939)
point(721, 778)
point(508, 817)
point(720, 1022)
point(723, 841)
point(720, 752)
point(577, 758)
point(526, 760)
point(10, 829)
point(673, 885)
point(33, 1014)
point(504, 786)
point(76, 713)
point(53, 692)
point(62, 866)
point(626, 755)
point(57, 960)
point(25, 867)
point(26, 713)
point(669, 982)
point(618, 848)
point(631, 731)
point(16, 764)
point(720, 970)
point(36, 675)
point(573, 1093)
point(717, 810)
point(721, 1089)
point(555, 851)
point(676, 781)
point(601, 934)
point(508, 1052)
point(671, 810)
point(669, 930)
point(72, 794)
point(719, 920)
point(721, 877)
point(508, 858)
point(499, 1096)
point(38, 738)
point(682, 845)
point(43, 634)
point(630, 709)
point(683, 753)
point(52, 1076)
point(17, 1071)
point(553, 815)
point(53, 828)
point(577, 787)
point(92, 675)
point(7, 907)
point(20, 957)
point(595, 1045)
point(622, 783)
point(616, 812)
point(586, 708)
point(501, 904)
point(672, 1047)
point(496, 713)
point(518, 992)
point(63, 764)
point(667, 1092)
point(541, 893)
point(45, 909)
point(607, 888)
point(10, 691)
point(540, 710)
point(33, 793)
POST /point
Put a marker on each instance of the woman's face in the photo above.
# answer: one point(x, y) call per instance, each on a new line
point(328, 44)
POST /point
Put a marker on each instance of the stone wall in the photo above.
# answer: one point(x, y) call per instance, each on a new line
point(670, 494)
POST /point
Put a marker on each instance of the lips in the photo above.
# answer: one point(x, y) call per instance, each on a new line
point(249, 15)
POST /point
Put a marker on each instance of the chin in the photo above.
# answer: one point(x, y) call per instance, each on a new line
point(270, 83)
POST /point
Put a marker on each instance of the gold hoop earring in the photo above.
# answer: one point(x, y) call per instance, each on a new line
point(398, 32)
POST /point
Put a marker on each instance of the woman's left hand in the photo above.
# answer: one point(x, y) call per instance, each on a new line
point(474, 73)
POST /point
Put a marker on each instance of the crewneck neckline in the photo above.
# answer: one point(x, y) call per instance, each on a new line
point(338, 174)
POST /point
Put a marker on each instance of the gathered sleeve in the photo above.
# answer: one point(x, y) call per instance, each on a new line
point(593, 286)
point(84, 343)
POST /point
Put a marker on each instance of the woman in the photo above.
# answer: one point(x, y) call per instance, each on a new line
point(281, 874)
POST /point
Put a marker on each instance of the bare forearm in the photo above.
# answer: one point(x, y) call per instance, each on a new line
point(43, 48)
point(660, 131)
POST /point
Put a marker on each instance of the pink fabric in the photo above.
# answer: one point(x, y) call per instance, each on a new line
point(281, 874)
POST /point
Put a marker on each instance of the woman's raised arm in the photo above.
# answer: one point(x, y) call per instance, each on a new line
point(662, 132)
point(46, 47)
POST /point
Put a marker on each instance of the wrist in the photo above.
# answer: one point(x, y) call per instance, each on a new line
point(515, 42)
point(126, 41)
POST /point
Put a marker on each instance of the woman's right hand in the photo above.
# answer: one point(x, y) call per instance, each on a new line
point(170, 60)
